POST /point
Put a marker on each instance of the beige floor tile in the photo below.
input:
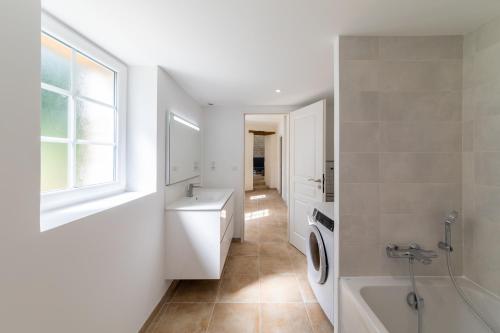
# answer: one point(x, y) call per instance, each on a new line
point(277, 250)
point(245, 248)
point(294, 253)
point(242, 265)
point(284, 318)
point(299, 265)
point(272, 234)
point(242, 288)
point(275, 265)
point(280, 288)
point(305, 289)
point(196, 291)
point(184, 318)
point(319, 321)
point(232, 317)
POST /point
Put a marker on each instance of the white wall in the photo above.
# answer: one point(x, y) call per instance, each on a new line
point(103, 273)
point(224, 145)
point(271, 161)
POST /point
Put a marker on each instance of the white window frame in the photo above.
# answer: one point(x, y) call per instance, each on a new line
point(72, 196)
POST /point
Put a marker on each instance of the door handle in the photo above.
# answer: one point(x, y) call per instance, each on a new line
point(314, 180)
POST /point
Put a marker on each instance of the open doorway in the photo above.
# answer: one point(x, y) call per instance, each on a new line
point(266, 178)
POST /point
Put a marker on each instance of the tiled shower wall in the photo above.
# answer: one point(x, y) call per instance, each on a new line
point(481, 157)
point(400, 149)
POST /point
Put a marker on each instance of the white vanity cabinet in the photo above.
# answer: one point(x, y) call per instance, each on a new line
point(199, 231)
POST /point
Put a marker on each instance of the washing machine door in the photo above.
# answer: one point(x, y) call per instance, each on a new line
point(317, 265)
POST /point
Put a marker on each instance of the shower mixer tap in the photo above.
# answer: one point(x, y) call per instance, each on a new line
point(411, 252)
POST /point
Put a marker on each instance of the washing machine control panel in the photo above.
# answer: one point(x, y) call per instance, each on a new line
point(323, 219)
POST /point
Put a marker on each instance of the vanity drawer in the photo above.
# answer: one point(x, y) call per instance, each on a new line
point(226, 243)
point(226, 215)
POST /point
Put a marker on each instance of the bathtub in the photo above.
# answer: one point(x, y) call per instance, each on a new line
point(378, 305)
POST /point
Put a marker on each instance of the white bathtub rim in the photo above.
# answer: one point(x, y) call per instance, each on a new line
point(353, 289)
point(352, 285)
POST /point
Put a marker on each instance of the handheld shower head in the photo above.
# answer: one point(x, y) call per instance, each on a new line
point(451, 217)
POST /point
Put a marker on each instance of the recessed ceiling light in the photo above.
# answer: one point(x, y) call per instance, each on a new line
point(277, 91)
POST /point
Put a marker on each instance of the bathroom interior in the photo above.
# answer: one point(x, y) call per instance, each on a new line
point(263, 166)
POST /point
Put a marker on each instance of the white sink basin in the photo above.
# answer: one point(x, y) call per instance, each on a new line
point(203, 199)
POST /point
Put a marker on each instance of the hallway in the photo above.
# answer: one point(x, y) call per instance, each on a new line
point(264, 286)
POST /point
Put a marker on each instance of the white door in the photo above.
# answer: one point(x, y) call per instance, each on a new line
point(307, 151)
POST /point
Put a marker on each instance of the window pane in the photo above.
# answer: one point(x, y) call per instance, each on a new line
point(94, 80)
point(56, 63)
point(94, 164)
point(95, 122)
point(54, 166)
point(54, 118)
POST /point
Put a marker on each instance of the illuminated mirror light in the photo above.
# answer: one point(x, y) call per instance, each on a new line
point(182, 121)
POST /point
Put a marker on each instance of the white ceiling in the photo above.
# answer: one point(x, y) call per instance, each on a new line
point(237, 52)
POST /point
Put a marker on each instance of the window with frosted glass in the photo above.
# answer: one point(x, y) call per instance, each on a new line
point(78, 119)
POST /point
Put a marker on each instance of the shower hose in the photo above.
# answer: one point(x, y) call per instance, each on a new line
point(462, 294)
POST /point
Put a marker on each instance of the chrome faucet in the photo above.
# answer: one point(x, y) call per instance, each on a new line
point(190, 189)
point(411, 252)
point(448, 221)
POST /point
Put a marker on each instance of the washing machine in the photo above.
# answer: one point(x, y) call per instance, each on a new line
point(320, 247)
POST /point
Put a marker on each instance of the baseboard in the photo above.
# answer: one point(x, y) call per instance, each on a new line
point(156, 311)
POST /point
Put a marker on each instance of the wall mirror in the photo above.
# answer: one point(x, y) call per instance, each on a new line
point(183, 149)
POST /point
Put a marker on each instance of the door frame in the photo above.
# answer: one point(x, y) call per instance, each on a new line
point(286, 135)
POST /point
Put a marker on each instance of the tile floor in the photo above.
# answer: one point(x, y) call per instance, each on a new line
point(264, 285)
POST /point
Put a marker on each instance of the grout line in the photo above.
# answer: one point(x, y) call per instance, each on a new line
point(211, 318)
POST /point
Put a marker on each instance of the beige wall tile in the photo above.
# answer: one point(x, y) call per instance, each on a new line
point(420, 75)
point(420, 137)
point(359, 259)
point(358, 198)
point(361, 75)
point(359, 137)
point(468, 104)
point(400, 198)
point(468, 136)
point(420, 106)
point(487, 99)
point(359, 167)
point(359, 105)
point(487, 134)
point(488, 35)
point(420, 48)
point(487, 168)
point(401, 173)
point(359, 48)
point(360, 229)
point(487, 204)
point(487, 65)
point(420, 167)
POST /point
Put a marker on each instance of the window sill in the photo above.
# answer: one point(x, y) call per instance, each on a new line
point(58, 217)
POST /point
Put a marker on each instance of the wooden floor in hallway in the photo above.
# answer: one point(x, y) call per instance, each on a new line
point(263, 288)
